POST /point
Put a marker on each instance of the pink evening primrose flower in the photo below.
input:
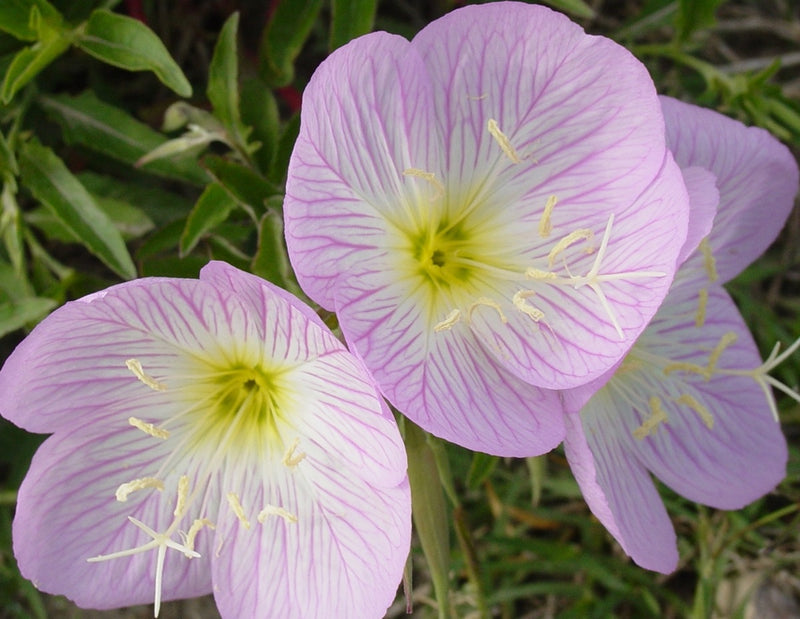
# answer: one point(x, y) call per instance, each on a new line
point(209, 435)
point(692, 402)
point(490, 210)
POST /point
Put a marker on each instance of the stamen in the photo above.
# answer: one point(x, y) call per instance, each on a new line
point(191, 534)
point(503, 141)
point(650, 424)
point(708, 260)
point(581, 234)
point(291, 460)
point(701, 410)
point(272, 510)
point(162, 541)
point(148, 428)
point(539, 274)
point(452, 318)
point(428, 176)
point(700, 317)
point(237, 508)
point(183, 493)
point(545, 226)
point(125, 489)
point(489, 303)
point(134, 366)
point(477, 97)
point(726, 340)
point(519, 301)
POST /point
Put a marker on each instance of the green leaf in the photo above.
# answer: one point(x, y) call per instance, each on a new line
point(17, 17)
point(259, 111)
point(8, 163)
point(106, 129)
point(480, 469)
point(578, 8)
point(250, 189)
point(53, 40)
point(16, 314)
point(211, 209)
point(53, 185)
point(350, 19)
point(286, 34)
point(223, 83)
point(127, 43)
point(271, 262)
point(695, 15)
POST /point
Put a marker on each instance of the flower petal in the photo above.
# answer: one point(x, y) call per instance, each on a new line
point(365, 121)
point(704, 199)
point(446, 381)
point(74, 363)
point(67, 512)
point(720, 446)
point(757, 178)
point(335, 530)
point(618, 488)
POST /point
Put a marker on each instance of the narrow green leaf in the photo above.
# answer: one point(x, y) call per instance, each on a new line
point(29, 62)
point(480, 469)
point(8, 163)
point(15, 17)
point(259, 111)
point(283, 152)
point(107, 129)
point(249, 189)
point(286, 34)
point(53, 185)
point(429, 512)
point(223, 82)
point(127, 43)
point(16, 314)
point(351, 19)
point(271, 261)
point(577, 8)
point(210, 210)
point(695, 15)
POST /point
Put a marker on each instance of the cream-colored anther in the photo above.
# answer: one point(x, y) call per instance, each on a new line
point(452, 318)
point(520, 302)
point(581, 234)
point(700, 316)
point(478, 97)
point(657, 416)
point(124, 490)
point(503, 141)
point(487, 302)
point(726, 340)
point(708, 260)
point(191, 534)
point(698, 408)
point(427, 176)
point(291, 459)
point(236, 506)
point(545, 225)
point(183, 494)
point(136, 367)
point(540, 275)
point(148, 428)
point(272, 510)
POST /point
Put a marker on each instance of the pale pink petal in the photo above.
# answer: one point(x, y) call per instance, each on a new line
point(446, 381)
point(366, 119)
point(67, 512)
point(336, 534)
point(73, 365)
point(757, 178)
point(728, 451)
point(618, 488)
point(704, 199)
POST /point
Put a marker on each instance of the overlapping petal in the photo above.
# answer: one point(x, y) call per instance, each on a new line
point(757, 178)
point(247, 433)
point(447, 382)
point(457, 176)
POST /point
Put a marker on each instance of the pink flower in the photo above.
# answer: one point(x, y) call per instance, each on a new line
point(491, 212)
point(209, 435)
point(692, 402)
